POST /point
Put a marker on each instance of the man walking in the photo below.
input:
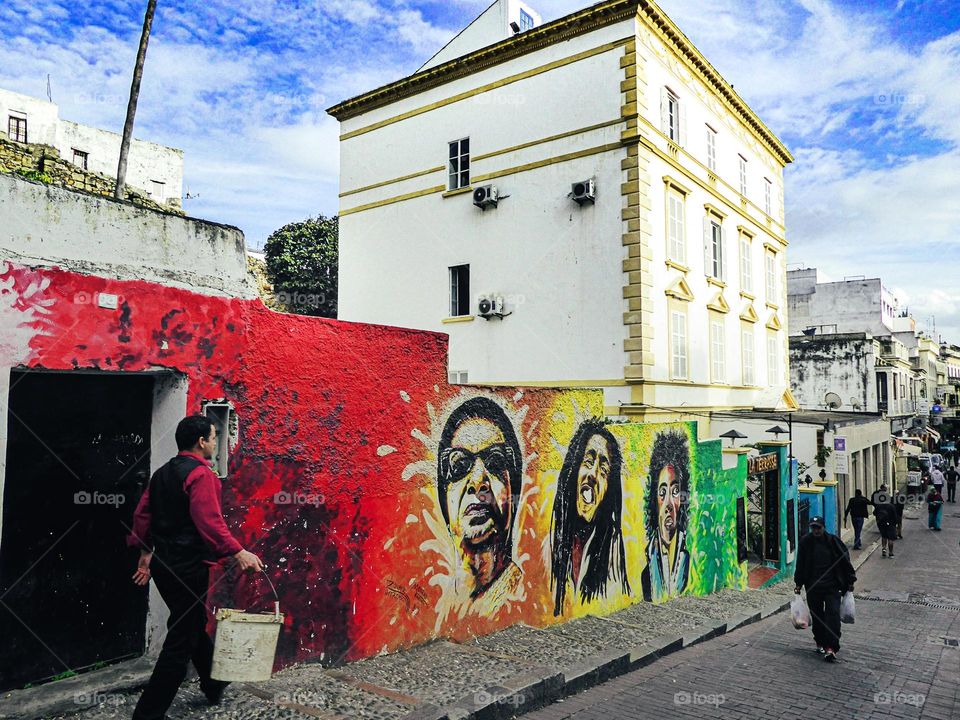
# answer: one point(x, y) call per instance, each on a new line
point(934, 508)
point(858, 507)
point(824, 568)
point(886, 516)
point(936, 478)
point(180, 530)
point(951, 477)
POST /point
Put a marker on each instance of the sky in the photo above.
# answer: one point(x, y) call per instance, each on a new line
point(865, 94)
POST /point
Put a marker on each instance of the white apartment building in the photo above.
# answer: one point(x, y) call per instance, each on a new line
point(585, 202)
point(154, 169)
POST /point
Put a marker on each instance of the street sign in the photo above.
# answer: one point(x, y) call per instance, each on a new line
point(840, 464)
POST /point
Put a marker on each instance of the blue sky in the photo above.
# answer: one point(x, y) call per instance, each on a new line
point(865, 94)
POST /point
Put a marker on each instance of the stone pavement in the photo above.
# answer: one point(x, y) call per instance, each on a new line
point(497, 675)
point(899, 660)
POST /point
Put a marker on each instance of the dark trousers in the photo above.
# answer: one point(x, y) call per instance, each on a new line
point(825, 611)
point(187, 640)
point(857, 529)
point(951, 492)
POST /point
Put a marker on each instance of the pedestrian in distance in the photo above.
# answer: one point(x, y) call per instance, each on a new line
point(179, 527)
point(936, 478)
point(858, 508)
point(934, 508)
point(824, 569)
point(886, 516)
point(952, 476)
point(899, 504)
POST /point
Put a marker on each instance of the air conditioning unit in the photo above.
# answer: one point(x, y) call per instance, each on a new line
point(486, 196)
point(584, 191)
point(492, 306)
point(485, 307)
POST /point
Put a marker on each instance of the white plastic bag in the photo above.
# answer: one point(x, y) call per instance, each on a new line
point(847, 608)
point(800, 613)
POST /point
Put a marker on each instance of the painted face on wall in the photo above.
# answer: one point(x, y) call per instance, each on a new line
point(668, 502)
point(479, 503)
point(593, 477)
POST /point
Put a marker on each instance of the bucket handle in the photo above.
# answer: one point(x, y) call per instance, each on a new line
point(276, 597)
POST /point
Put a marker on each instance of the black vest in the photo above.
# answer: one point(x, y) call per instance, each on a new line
point(177, 542)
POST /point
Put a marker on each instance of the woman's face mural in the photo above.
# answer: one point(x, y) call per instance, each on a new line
point(479, 475)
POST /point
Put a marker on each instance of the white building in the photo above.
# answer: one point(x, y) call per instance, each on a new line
point(846, 306)
point(155, 169)
point(631, 234)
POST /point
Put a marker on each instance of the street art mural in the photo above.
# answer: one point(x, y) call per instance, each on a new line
point(586, 534)
point(390, 507)
point(667, 505)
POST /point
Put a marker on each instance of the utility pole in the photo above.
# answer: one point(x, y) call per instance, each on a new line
point(134, 96)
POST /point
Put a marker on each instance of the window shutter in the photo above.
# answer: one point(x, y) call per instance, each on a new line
point(707, 249)
point(664, 112)
point(724, 252)
point(682, 124)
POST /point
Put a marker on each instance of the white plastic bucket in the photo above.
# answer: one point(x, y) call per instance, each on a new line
point(245, 645)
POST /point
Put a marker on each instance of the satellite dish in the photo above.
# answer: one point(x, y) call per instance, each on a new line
point(833, 401)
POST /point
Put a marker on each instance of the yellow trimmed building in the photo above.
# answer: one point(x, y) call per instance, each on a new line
point(584, 202)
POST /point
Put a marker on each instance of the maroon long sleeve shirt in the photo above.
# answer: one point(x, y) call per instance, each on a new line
point(202, 487)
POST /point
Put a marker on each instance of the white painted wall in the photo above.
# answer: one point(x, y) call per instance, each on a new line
point(147, 163)
point(852, 305)
point(46, 226)
point(559, 265)
point(843, 364)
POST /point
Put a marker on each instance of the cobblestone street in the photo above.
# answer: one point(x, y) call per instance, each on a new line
point(899, 660)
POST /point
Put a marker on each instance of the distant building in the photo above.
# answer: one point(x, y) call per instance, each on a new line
point(155, 169)
point(582, 202)
point(847, 306)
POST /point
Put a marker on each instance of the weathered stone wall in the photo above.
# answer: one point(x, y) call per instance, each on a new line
point(43, 163)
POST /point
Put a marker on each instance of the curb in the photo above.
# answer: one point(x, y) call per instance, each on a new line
point(533, 691)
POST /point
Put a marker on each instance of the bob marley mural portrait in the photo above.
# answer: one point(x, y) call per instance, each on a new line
point(667, 503)
point(586, 536)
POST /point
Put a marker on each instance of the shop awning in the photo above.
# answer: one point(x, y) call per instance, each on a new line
point(932, 434)
point(903, 447)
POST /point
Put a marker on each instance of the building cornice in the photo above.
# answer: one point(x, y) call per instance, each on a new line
point(565, 28)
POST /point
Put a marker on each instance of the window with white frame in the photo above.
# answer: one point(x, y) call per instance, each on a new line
point(671, 115)
point(747, 347)
point(746, 263)
point(770, 260)
point(158, 190)
point(768, 196)
point(457, 377)
point(718, 357)
point(678, 344)
point(459, 164)
point(714, 250)
point(459, 290)
point(676, 228)
point(711, 149)
point(773, 359)
point(743, 174)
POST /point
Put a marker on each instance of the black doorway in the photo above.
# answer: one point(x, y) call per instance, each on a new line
point(78, 456)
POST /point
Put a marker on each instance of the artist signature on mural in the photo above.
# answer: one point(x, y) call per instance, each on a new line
point(407, 597)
